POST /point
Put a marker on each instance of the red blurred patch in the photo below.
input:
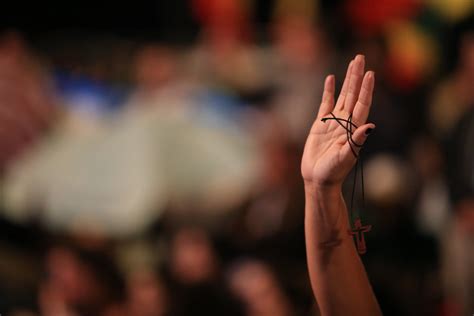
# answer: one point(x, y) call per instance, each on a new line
point(368, 17)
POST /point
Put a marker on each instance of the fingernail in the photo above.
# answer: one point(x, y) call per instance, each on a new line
point(371, 74)
point(368, 131)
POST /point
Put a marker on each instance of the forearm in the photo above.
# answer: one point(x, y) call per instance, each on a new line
point(337, 275)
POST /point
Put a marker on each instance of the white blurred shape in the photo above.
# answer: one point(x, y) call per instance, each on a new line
point(117, 177)
point(386, 179)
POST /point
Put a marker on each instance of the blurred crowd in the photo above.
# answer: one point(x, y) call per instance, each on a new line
point(150, 178)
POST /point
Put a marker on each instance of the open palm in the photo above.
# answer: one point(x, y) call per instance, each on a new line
point(328, 157)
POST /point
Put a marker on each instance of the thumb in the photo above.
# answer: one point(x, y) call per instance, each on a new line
point(361, 133)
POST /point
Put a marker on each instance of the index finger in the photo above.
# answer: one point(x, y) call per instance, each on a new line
point(345, 87)
point(327, 103)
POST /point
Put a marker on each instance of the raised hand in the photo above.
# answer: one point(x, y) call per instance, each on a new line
point(338, 278)
point(328, 157)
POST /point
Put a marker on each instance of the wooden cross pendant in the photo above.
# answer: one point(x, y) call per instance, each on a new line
point(358, 233)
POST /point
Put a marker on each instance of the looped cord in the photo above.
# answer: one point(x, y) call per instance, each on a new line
point(348, 127)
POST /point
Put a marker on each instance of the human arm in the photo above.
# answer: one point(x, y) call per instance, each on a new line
point(338, 277)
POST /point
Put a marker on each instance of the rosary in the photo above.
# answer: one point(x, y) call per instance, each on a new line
point(358, 229)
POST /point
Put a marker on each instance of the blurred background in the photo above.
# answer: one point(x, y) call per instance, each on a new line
point(150, 151)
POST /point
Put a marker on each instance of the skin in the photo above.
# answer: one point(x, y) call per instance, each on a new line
point(338, 277)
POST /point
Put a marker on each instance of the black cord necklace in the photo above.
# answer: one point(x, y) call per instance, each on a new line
point(358, 229)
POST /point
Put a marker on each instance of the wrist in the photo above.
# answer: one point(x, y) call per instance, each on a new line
point(322, 190)
point(326, 202)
